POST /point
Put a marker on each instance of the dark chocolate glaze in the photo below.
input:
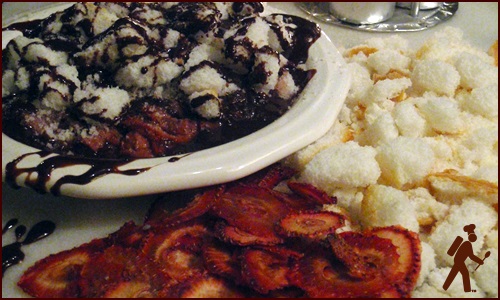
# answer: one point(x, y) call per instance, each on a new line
point(304, 35)
point(10, 224)
point(28, 28)
point(98, 167)
point(12, 253)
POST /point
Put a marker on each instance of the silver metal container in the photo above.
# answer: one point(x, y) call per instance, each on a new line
point(362, 12)
point(422, 5)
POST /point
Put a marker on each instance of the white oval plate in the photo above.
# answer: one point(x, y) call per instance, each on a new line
point(313, 113)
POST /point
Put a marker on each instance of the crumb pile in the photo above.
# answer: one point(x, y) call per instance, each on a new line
point(151, 79)
point(416, 144)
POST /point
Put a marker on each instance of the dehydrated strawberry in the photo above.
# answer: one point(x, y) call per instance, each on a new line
point(313, 275)
point(130, 289)
point(250, 208)
point(220, 259)
point(284, 250)
point(181, 264)
point(163, 131)
point(268, 177)
point(235, 236)
point(409, 249)
point(104, 269)
point(320, 277)
point(206, 286)
point(56, 275)
point(365, 255)
point(129, 235)
point(253, 241)
point(296, 202)
point(189, 236)
point(264, 271)
point(311, 193)
point(315, 225)
point(200, 204)
point(391, 292)
point(165, 204)
point(274, 175)
point(356, 266)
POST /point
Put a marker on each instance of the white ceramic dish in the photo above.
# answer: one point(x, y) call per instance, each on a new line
point(310, 117)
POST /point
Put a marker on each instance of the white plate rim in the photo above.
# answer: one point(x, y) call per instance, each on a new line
point(320, 102)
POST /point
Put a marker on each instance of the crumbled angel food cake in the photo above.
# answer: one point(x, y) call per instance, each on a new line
point(416, 144)
point(151, 79)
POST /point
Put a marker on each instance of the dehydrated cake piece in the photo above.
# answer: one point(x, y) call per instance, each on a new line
point(31, 50)
point(148, 71)
point(125, 39)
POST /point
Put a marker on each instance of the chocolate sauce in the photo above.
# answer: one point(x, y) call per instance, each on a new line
point(28, 28)
point(98, 167)
point(12, 253)
point(304, 35)
point(11, 223)
point(177, 158)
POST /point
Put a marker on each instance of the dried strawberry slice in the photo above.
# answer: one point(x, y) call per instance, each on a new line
point(219, 259)
point(162, 130)
point(190, 236)
point(365, 255)
point(250, 208)
point(235, 236)
point(269, 177)
point(199, 205)
point(315, 225)
point(56, 275)
point(107, 268)
point(311, 193)
point(130, 289)
point(118, 264)
point(165, 204)
point(205, 286)
point(296, 202)
point(129, 235)
point(274, 175)
point(314, 274)
point(181, 264)
point(264, 271)
point(320, 277)
point(283, 250)
point(409, 249)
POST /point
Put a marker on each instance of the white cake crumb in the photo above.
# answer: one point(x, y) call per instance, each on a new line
point(106, 103)
point(435, 76)
point(8, 83)
point(375, 210)
point(343, 165)
point(405, 161)
point(442, 114)
point(206, 78)
point(483, 101)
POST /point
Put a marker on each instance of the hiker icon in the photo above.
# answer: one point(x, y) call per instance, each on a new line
point(462, 251)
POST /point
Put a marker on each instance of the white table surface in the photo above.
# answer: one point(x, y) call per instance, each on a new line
point(79, 221)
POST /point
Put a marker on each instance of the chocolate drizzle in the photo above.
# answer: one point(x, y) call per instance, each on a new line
point(12, 253)
point(98, 167)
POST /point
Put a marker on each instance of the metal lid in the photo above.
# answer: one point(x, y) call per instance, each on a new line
point(399, 22)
